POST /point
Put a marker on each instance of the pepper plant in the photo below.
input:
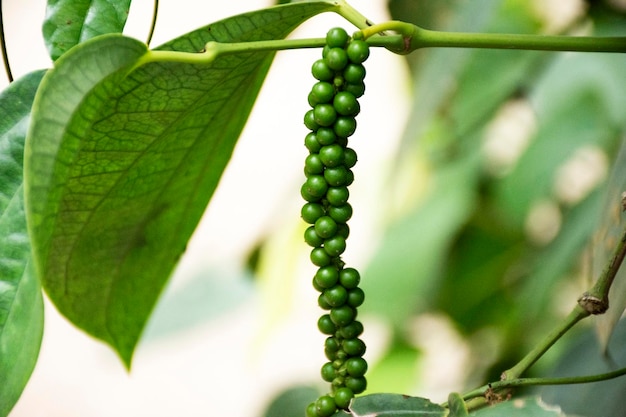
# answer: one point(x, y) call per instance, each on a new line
point(110, 158)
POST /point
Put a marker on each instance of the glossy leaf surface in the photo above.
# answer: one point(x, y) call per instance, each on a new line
point(21, 304)
point(394, 405)
point(520, 407)
point(70, 22)
point(123, 159)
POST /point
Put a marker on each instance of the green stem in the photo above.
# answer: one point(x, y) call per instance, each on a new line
point(352, 15)
point(527, 382)
point(596, 300)
point(155, 13)
point(577, 314)
point(3, 47)
point(428, 38)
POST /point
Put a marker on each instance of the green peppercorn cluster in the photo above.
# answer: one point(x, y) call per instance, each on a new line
point(331, 119)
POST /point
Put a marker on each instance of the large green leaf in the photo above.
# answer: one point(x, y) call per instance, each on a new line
point(394, 405)
point(122, 160)
point(70, 22)
point(520, 407)
point(21, 304)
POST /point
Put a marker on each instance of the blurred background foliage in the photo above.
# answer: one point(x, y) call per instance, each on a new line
point(499, 183)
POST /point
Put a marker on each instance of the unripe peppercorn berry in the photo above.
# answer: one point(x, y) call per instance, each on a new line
point(349, 278)
point(316, 185)
point(356, 296)
point(344, 126)
point(313, 164)
point(342, 316)
point(343, 396)
point(309, 120)
point(352, 330)
point(354, 73)
point(310, 212)
point(336, 296)
point(319, 257)
point(353, 347)
point(335, 246)
point(358, 51)
point(321, 71)
point(325, 227)
point(311, 143)
point(330, 156)
point(337, 196)
point(326, 325)
point(328, 372)
point(337, 38)
point(337, 176)
point(327, 276)
point(311, 238)
point(356, 384)
point(325, 136)
point(345, 104)
point(349, 157)
point(356, 367)
point(337, 58)
point(340, 214)
point(325, 406)
point(323, 92)
point(324, 115)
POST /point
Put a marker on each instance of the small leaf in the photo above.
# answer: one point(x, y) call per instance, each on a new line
point(520, 407)
point(21, 303)
point(122, 162)
point(457, 405)
point(395, 405)
point(70, 22)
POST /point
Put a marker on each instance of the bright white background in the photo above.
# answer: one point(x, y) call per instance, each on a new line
point(232, 365)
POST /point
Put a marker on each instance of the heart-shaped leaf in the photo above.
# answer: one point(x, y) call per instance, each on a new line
point(70, 22)
point(21, 304)
point(123, 156)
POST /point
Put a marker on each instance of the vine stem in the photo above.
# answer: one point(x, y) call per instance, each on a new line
point(3, 47)
point(527, 382)
point(155, 13)
point(577, 314)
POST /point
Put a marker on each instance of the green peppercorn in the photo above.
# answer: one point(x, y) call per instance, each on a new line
point(343, 397)
point(325, 136)
point(356, 384)
point(337, 196)
point(337, 38)
point(336, 296)
point(311, 238)
point(321, 71)
point(324, 115)
point(322, 92)
point(353, 347)
point(311, 143)
point(352, 330)
point(358, 51)
point(328, 372)
point(336, 58)
point(349, 157)
point(340, 214)
point(325, 406)
point(327, 276)
point(356, 367)
point(309, 120)
point(330, 156)
point(326, 325)
point(349, 278)
point(342, 316)
point(346, 104)
point(344, 126)
point(335, 246)
point(336, 176)
point(313, 164)
point(325, 227)
point(354, 73)
point(356, 296)
point(320, 257)
point(310, 212)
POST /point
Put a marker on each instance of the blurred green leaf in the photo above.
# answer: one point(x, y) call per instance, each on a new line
point(457, 405)
point(413, 251)
point(519, 407)
point(292, 402)
point(70, 22)
point(584, 356)
point(21, 303)
point(122, 161)
point(396, 370)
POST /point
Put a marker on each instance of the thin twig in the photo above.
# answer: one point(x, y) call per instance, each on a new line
point(155, 12)
point(3, 47)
